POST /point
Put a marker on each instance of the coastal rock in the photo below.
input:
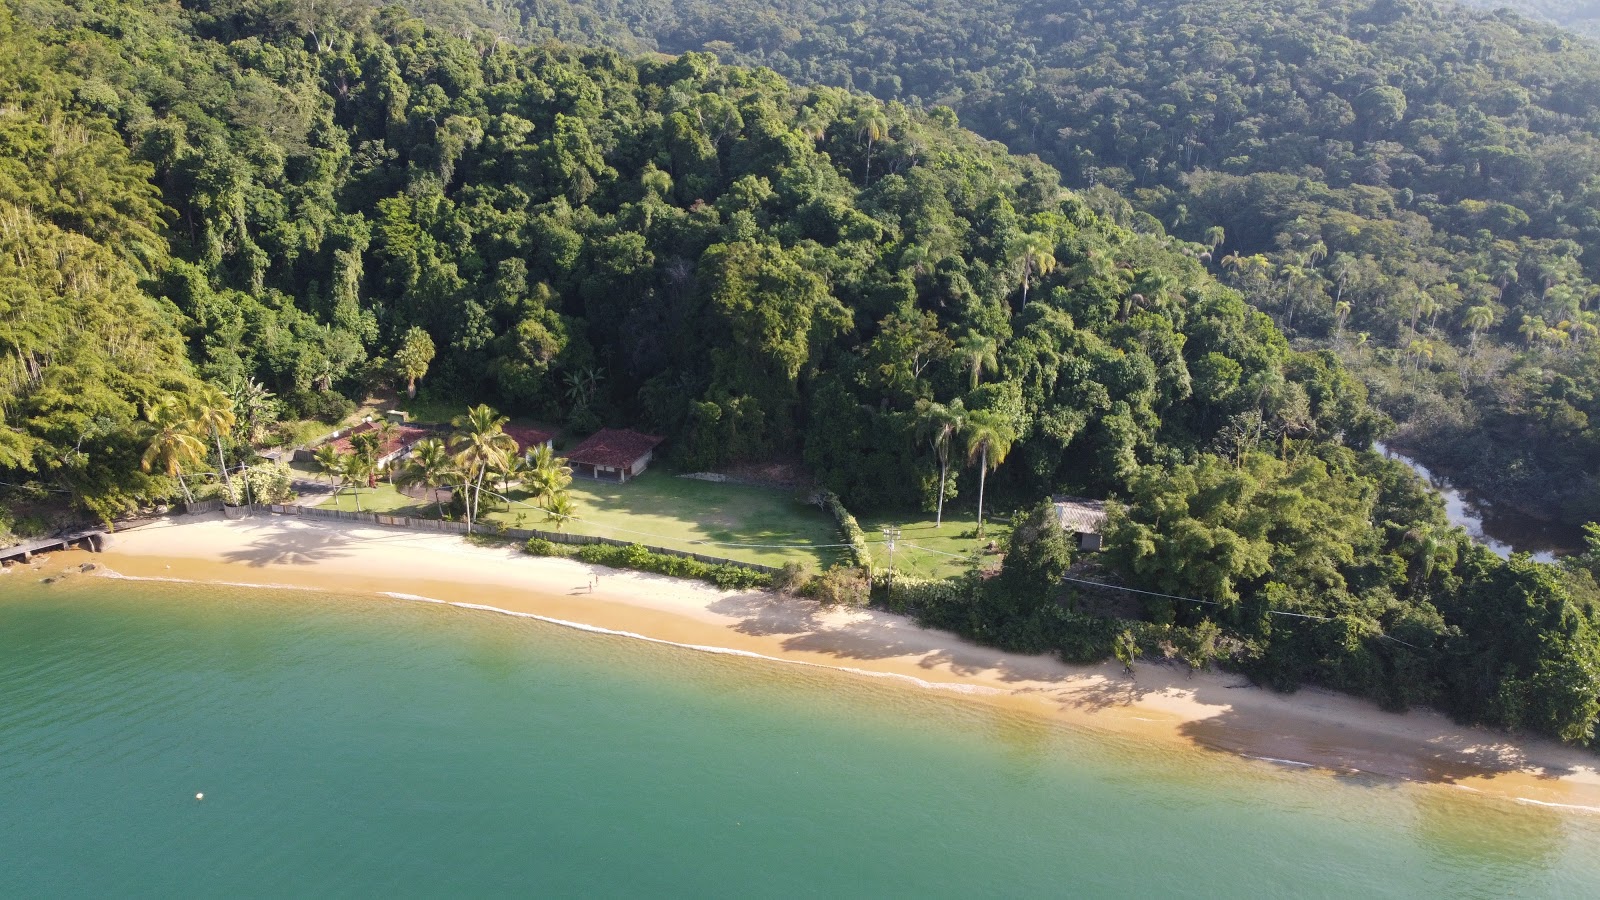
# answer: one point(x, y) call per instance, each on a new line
point(88, 567)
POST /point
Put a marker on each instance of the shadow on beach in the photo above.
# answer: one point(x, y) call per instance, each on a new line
point(1428, 748)
point(872, 635)
point(278, 544)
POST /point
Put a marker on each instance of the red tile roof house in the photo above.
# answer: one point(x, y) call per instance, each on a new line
point(613, 454)
point(390, 450)
point(528, 439)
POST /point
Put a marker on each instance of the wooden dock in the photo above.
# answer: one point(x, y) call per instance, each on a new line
point(92, 539)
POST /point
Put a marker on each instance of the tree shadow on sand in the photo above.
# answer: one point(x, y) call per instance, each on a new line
point(876, 635)
point(1428, 747)
point(278, 545)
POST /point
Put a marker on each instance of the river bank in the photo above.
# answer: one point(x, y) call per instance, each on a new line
point(1164, 706)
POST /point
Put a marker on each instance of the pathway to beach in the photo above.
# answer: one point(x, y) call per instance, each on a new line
point(1164, 704)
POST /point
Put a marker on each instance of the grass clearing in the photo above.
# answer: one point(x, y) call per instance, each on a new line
point(662, 510)
point(922, 548)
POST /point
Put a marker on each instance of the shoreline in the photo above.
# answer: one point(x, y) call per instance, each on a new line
point(1160, 704)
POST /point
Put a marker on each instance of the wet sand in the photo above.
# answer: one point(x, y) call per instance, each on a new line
point(1164, 704)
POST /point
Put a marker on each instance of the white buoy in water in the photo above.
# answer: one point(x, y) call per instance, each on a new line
point(199, 796)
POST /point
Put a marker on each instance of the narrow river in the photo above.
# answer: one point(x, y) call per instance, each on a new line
point(1503, 531)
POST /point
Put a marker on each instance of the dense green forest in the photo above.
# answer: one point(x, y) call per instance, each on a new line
point(293, 194)
point(1412, 184)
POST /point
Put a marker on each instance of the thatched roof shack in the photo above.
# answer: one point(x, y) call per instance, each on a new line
point(613, 454)
point(1082, 517)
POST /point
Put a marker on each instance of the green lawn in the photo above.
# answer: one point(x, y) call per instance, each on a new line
point(382, 499)
point(663, 510)
point(920, 551)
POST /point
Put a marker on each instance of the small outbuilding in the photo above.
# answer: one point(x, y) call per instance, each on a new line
point(1083, 518)
point(612, 454)
point(528, 438)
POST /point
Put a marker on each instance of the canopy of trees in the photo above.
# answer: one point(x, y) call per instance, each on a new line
point(1412, 183)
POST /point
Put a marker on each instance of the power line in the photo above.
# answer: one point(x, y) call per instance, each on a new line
point(1270, 612)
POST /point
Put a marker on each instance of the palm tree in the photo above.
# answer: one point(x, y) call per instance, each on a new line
point(212, 413)
point(328, 461)
point(979, 351)
point(173, 446)
point(513, 468)
point(365, 447)
point(558, 509)
point(989, 440)
point(549, 475)
point(1215, 237)
point(429, 465)
point(1477, 319)
point(1419, 350)
point(1037, 255)
point(1432, 548)
point(1532, 329)
point(480, 443)
point(354, 471)
point(940, 424)
point(386, 431)
point(874, 127)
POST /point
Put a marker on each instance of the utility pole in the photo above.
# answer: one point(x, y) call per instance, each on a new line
point(891, 534)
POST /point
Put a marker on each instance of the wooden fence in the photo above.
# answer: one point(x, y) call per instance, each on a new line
point(519, 534)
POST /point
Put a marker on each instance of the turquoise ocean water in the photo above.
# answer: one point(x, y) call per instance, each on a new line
point(351, 746)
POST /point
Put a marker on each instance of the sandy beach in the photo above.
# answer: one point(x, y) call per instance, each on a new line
point(1161, 704)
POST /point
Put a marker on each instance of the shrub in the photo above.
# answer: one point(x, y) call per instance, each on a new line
point(268, 483)
point(792, 578)
point(853, 535)
point(728, 576)
point(840, 586)
point(323, 406)
point(541, 547)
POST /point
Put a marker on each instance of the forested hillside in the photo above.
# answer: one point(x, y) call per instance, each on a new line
point(1412, 184)
point(288, 190)
point(1582, 16)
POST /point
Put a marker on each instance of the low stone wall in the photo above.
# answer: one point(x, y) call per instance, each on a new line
point(519, 534)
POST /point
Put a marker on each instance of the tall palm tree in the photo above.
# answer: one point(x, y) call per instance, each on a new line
point(212, 414)
point(979, 351)
point(1477, 319)
point(940, 424)
point(988, 438)
point(354, 471)
point(429, 465)
point(480, 444)
point(366, 446)
point(549, 474)
point(328, 461)
point(1215, 236)
point(874, 127)
point(173, 444)
point(1037, 256)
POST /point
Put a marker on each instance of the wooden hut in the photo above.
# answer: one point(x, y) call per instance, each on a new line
point(1084, 519)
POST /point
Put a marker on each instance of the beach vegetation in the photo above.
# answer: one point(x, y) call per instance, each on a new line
point(840, 585)
point(728, 576)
